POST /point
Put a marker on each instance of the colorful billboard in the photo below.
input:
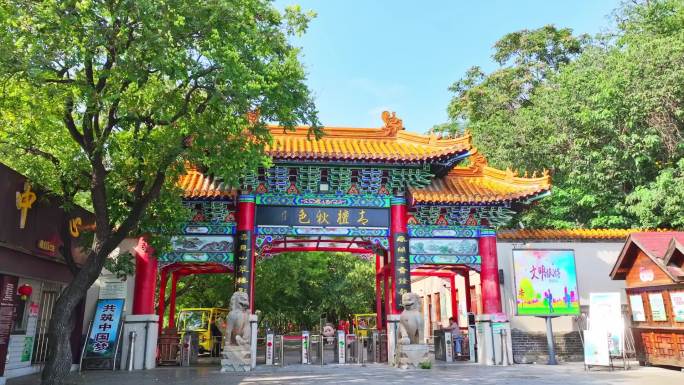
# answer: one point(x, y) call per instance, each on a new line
point(545, 282)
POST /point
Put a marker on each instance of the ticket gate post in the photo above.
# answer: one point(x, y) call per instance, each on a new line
point(341, 347)
point(269, 348)
point(472, 337)
point(494, 340)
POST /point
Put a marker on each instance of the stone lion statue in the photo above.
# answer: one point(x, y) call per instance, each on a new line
point(238, 329)
point(411, 321)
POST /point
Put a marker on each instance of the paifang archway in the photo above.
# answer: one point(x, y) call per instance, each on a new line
point(420, 202)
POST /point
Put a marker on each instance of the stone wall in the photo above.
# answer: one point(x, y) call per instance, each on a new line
point(531, 347)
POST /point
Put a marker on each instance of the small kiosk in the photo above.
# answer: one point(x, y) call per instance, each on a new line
point(652, 266)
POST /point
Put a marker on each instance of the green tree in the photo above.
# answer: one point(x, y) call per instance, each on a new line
point(105, 101)
point(294, 289)
point(604, 115)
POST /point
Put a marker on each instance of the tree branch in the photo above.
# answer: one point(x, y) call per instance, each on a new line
point(71, 125)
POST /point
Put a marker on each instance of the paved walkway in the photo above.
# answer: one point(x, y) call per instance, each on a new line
point(380, 374)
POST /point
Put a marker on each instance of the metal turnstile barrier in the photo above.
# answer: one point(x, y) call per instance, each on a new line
point(261, 351)
point(317, 349)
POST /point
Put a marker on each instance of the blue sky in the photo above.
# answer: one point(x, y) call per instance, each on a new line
point(366, 56)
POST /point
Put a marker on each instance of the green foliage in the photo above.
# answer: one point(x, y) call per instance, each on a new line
point(105, 102)
point(134, 90)
point(122, 266)
point(204, 290)
point(604, 115)
point(426, 364)
point(661, 202)
point(294, 289)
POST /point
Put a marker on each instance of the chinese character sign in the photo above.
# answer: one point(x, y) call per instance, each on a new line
point(545, 282)
point(104, 330)
point(402, 267)
point(322, 216)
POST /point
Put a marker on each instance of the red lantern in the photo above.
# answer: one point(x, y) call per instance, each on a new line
point(25, 291)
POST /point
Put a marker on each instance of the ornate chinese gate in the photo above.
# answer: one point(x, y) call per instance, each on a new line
point(411, 201)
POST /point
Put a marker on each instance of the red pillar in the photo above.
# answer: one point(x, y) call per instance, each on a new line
point(454, 297)
point(172, 300)
point(145, 278)
point(162, 298)
point(378, 291)
point(469, 304)
point(489, 275)
point(385, 283)
point(244, 247)
point(401, 268)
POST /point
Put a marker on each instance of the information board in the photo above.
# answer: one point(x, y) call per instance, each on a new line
point(103, 337)
point(596, 351)
point(677, 299)
point(657, 306)
point(636, 303)
point(605, 314)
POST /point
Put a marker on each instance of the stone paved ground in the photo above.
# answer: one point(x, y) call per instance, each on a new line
point(573, 374)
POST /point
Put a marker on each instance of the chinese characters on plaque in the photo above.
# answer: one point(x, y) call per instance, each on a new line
point(402, 265)
point(322, 216)
point(243, 265)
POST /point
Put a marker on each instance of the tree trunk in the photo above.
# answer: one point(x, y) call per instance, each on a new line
point(58, 364)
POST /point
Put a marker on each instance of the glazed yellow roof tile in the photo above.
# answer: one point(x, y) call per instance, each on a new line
point(197, 185)
point(479, 183)
point(388, 143)
point(569, 234)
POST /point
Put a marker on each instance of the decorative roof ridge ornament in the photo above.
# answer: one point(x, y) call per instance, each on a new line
point(392, 123)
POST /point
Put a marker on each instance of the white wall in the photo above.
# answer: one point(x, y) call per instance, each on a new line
point(424, 286)
point(93, 294)
point(594, 260)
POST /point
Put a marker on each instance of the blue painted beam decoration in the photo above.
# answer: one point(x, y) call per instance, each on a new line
point(323, 200)
point(200, 248)
point(204, 228)
point(428, 231)
point(445, 259)
point(323, 230)
point(444, 246)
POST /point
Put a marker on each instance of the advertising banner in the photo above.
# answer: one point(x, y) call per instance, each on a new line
point(657, 306)
point(636, 303)
point(545, 282)
point(677, 299)
point(596, 348)
point(101, 345)
point(605, 314)
point(8, 304)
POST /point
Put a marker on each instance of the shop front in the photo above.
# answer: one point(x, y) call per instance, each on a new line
point(652, 266)
point(32, 271)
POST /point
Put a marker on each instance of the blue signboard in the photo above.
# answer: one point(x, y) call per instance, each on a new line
point(104, 333)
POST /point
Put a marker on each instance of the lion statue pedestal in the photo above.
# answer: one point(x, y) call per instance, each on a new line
point(411, 349)
point(237, 356)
